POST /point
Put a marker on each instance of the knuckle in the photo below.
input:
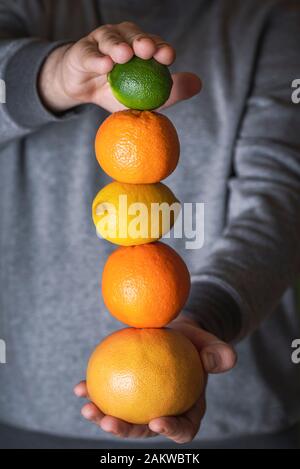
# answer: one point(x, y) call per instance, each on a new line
point(157, 38)
point(101, 30)
point(139, 36)
point(105, 27)
point(128, 24)
point(162, 44)
point(175, 434)
point(112, 37)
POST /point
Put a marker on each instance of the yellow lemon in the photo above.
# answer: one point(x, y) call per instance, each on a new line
point(131, 214)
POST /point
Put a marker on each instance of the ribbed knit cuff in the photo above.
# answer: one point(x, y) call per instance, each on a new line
point(21, 76)
point(215, 310)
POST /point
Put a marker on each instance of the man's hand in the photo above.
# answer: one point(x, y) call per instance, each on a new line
point(77, 73)
point(216, 356)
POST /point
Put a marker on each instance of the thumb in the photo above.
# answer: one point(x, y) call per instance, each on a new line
point(185, 86)
point(216, 356)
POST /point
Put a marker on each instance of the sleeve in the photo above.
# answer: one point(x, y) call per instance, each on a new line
point(21, 58)
point(258, 255)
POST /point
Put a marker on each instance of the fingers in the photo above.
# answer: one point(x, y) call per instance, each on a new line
point(165, 53)
point(124, 429)
point(113, 425)
point(110, 42)
point(97, 63)
point(180, 429)
point(84, 56)
point(107, 423)
point(92, 413)
point(80, 390)
point(141, 43)
point(146, 45)
point(185, 86)
point(122, 41)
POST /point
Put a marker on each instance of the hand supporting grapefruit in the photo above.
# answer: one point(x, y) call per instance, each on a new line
point(216, 356)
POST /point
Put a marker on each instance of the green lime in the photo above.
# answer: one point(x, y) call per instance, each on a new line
point(141, 84)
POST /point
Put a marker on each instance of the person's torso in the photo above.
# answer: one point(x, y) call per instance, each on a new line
point(52, 313)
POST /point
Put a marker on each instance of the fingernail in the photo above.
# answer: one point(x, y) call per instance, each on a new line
point(210, 361)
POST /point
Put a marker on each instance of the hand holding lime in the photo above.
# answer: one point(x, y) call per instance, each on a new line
point(141, 84)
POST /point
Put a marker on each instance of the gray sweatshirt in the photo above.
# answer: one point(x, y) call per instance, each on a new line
point(240, 155)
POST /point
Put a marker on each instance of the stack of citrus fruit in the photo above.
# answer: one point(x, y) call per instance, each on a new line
point(145, 371)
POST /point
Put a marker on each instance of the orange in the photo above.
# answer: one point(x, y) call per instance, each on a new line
point(141, 374)
point(137, 147)
point(145, 285)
